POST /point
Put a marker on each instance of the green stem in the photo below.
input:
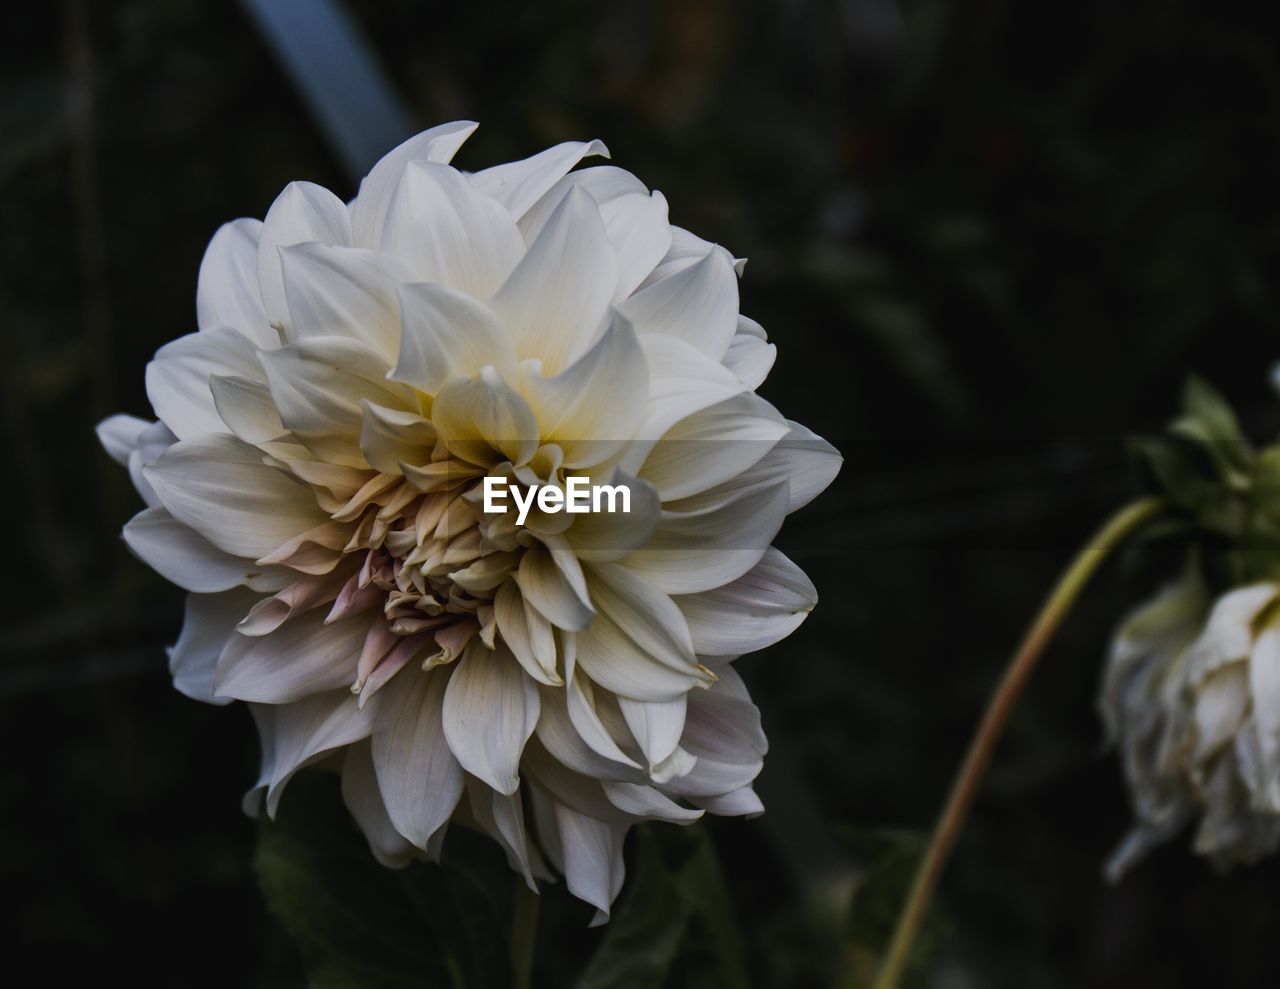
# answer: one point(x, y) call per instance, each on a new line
point(974, 768)
point(524, 929)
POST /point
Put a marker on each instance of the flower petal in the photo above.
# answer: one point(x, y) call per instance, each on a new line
point(448, 233)
point(763, 606)
point(220, 487)
point(369, 209)
point(303, 213)
point(517, 185)
point(490, 710)
point(699, 550)
point(484, 420)
point(120, 435)
point(712, 446)
point(595, 405)
point(346, 292)
point(319, 386)
point(227, 292)
point(391, 437)
point(303, 656)
point(634, 219)
point(183, 557)
point(698, 305)
point(178, 378)
point(546, 587)
point(364, 800)
point(556, 298)
point(418, 776)
point(750, 355)
point(657, 726)
point(208, 621)
point(305, 732)
point(445, 334)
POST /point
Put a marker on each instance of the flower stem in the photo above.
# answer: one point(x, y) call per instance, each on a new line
point(974, 768)
point(524, 928)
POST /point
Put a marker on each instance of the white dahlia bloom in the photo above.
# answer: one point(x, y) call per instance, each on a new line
point(315, 481)
point(1194, 703)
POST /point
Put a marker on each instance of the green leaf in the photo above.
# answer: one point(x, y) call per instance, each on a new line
point(359, 924)
point(675, 924)
point(1205, 404)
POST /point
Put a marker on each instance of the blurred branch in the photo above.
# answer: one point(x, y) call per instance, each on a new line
point(338, 76)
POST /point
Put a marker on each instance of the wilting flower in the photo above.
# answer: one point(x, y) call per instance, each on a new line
point(315, 481)
point(1194, 703)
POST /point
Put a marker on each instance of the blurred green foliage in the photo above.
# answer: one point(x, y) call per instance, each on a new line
point(990, 240)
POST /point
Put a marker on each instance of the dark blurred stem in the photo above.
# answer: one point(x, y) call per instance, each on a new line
point(971, 774)
point(524, 930)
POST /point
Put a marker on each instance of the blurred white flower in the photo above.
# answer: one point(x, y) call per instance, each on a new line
point(1194, 703)
point(314, 481)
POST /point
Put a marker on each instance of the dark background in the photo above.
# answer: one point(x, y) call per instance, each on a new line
point(990, 240)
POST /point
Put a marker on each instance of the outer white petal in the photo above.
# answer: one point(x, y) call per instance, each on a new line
point(303, 656)
point(363, 799)
point(305, 732)
point(490, 710)
point(227, 292)
point(152, 443)
point(178, 378)
point(517, 185)
point(444, 231)
point(369, 209)
point(635, 220)
point(1264, 681)
point(595, 405)
point(593, 866)
point(120, 435)
point(763, 606)
point(303, 213)
point(573, 735)
point(183, 557)
point(418, 776)
point(1228, 633)
point(750, 355)
point(802, 460)
point(682, 381)
point(343, 291)
point(637, 645)
point(657, 726)
point(208, 621)
point(741, 802)
point(445, 334)
point(647, 803)
point(713, 446)
point(700, 550)
point(618, 664)
point(502, 817)
point(686, 249)
point(220, 487)
point(1220, 707)
point(556, 298)
point(698, 305)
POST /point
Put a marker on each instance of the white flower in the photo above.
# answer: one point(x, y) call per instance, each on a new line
point(314, 481)
point(1195, 706)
